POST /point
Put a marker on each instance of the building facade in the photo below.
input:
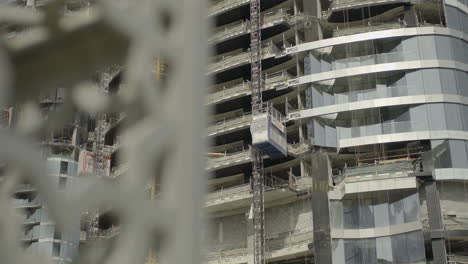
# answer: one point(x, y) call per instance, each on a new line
point(41, 235)
point(380, 87)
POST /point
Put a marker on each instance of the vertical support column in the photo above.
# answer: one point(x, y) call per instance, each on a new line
point(320, 208)
point(436, 225)
point(313, 9)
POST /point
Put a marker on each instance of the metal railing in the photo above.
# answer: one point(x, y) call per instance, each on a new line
point(229, 91)
point(232, 157)
point(230, 31)
point(224, 252)
point(344, 30)
point(229, 123)
point(394, 169)
point(268, 49)
point(276, 116)
point(224, 193)
point(272, 81)
point(288, 239)
point(277, 79)
point(272, 182)
point(225, 5)
point(345, 3)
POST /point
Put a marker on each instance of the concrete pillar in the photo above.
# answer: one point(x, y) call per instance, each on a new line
point(321, 171)
point(313, 10)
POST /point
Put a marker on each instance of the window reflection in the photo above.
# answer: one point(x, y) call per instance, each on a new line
point(380, 210)
point(397, 249)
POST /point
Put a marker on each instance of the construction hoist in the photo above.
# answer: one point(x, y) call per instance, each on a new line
point(256, 155)
point(99, 154)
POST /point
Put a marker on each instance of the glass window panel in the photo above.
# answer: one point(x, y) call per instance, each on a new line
point(366, 213)
point(436, 117)
point(411, 208)
point(453, 18)
point(462, 82)
point(415, 247)
point(368, 250)
point(336, 214)
point(350, 214)
point(431, 81)
point(442, 45)
point(458, 154)
point(338, 253)
point(352, 251)
point(441, 154)
point(418, 117)
point(330, 136)
point(381, 218)
point(395, 210)
point(465, 117)
point(56, 249)
point(383, 246)
point(427, 47)
point(448, 80)
point(400, 249)
point(453, 117)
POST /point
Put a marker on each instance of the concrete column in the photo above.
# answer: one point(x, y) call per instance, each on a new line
point(321, 171)
point(313, 10)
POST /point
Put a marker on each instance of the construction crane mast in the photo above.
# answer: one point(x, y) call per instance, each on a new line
point(99, 154)
point(256, 154)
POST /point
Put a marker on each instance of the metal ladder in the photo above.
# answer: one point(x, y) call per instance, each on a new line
point(256, 155)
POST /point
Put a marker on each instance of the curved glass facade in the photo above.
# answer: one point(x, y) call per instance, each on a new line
point(400, 94)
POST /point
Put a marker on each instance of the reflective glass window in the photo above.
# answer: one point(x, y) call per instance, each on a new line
point(366, 213)
point(458, 154)
point(395, 211)
point(453, 117)
point(381, 218)
point(411, 208)
point(383, 247)
point(352, 251)
point(448, 80)
point(350, 214)
point(441, 154)
point(436, 116)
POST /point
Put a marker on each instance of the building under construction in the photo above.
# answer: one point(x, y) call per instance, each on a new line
point(339, 133)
